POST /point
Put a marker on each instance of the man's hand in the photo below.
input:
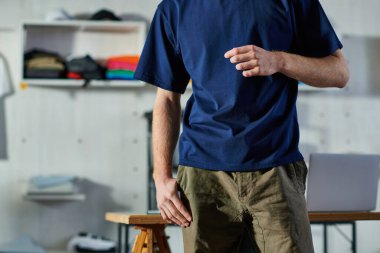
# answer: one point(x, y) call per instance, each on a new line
point(171, 208)
point(323, 72)
point(254, 61)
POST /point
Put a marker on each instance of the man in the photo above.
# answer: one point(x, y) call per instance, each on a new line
point(240, 166)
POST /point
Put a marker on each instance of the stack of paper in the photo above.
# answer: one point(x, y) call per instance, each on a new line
point(52, 185)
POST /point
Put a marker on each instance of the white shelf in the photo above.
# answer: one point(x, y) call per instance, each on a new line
point(56, 197)
point(87, 25)
point(79, 83)
point(77, 38)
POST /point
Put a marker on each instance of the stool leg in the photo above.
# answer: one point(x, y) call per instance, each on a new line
point(150, 240)
point(140, 240)
point(135, 243)
point(161, 239)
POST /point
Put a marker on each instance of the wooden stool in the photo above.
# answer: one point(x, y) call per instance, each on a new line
point(151, 238)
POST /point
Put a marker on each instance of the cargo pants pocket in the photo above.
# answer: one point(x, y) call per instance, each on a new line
point(300, 173)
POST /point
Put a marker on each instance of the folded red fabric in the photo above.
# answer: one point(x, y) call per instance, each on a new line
point(121, 65)
point(73, 75)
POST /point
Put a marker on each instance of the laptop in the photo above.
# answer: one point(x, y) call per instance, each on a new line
point(342, 182)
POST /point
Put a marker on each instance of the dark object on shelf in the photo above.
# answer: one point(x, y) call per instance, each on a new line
point(86, 67)
point(87, 242)
point(105, 15)
point(44, 73)
point(44, 64)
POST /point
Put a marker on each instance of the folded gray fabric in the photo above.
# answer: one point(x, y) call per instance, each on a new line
point(49, 181)
point(23, 244)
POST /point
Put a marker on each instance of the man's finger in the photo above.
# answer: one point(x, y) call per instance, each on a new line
point(164, 216)
point(177, 215)
point(182, 209)
point(252, 72)
point(247, 65)
point(171, 215)
point(239, 50)
point(243, 57)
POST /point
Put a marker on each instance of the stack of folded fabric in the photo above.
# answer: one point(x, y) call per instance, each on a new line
point(44, 64)
point(85, 68)
point(122, 67)
point(52, 185)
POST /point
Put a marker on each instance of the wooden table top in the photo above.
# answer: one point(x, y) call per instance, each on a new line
point(343, 217)
point(139, 219)
point(135, 219)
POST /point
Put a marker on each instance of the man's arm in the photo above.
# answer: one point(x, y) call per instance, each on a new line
point(165, 131)
point(330, 71)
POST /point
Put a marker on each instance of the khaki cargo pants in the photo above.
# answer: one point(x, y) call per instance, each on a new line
point(267, 205)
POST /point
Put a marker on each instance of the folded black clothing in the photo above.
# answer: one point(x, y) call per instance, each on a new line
point(105, 15)
point(44, 73)
point(87, 67)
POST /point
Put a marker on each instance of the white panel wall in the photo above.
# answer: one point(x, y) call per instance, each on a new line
point(100, 134)
point(334, 124)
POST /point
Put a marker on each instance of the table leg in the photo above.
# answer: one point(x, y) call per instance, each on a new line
point(126, 235)
point(354, 237)
point(119, 233)
point(122, 229)
point(325, 248)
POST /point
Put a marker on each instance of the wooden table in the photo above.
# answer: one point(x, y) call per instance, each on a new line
point(127, 218)
point(124, 220)
point(339, 217)
point(333, 219)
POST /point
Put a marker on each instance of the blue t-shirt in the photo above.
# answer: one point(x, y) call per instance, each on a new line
point(231, 122)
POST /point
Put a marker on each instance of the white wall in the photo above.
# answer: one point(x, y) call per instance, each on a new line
point(330, 123)
point(100, 134)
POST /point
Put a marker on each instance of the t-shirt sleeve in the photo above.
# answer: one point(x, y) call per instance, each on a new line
point(315, 36)
point(161, 63)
